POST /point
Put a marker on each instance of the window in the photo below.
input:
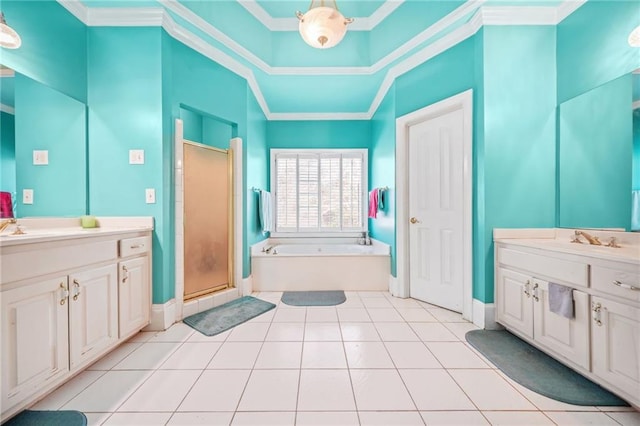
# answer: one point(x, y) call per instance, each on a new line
point(319, 191)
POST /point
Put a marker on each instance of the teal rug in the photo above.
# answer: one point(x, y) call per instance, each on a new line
point(48, 418)
point(313, 298)
point(222, 318)
point(537, 371)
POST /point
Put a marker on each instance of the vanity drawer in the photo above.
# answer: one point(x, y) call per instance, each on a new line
point(623, 281)
point(133, 246)
point(549, 268)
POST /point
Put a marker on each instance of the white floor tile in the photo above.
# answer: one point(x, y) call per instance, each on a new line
point(176, 333)
point(359, 332)
point(455, 355)
point(265, 317)
point(270, 390)
point(461, 328)
point(368, 294)
point(397, 418)
point(376, 302)
point(435, 390)
point(454, 418)
point(325, 390)
point(380, 390)
point(562, 418)
point(626, 418)
point(264, 419)
point(108, 392)
point(353, 315)
point(241, 355)
point(191, 356)
point(398, 302)
point(311, 418)
point(489, 391)
point(203, 419)
point(290, 315)
point(384, 315)
point(396, 332)
point(416, 315)
point(96, 419)
point(322, 332)
point(351, 302)
point(286, 332)
point(275, 355)
point(249, 332)
point(148, 356)
point(216, 391)
point(137, 419)
point(108, 361)
point(411, 355)
point(141, 337)
point(367, 355)
point(163, 391)
point(444, 315)
point(323, 355)
point(523, 418)
point(198, 337)
point(68, 391)
point(433, 332)
point(322, 315)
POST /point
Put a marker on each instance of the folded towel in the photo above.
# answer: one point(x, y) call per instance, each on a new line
point(373, 204)
point(635, 210)
point(561, 300)
point(6, 206)
point(266, 211)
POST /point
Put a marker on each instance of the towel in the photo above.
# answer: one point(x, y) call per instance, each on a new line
point(6, 206)
point(635, 210)
point(266, 211)
point(561, 300)
point(373, 204)
point(380, 199)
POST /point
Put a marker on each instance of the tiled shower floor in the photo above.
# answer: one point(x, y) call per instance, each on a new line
point(374, 360)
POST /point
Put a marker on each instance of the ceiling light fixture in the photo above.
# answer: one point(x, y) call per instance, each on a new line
point(9, 38)
point(323, 26)
point(634, 38)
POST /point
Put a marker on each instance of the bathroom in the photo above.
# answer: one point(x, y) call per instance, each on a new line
point(127, 76)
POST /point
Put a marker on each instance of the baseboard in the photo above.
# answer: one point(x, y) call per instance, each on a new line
point(162, 316)
point(484, 315)
point(247, 286)
point(396, 289)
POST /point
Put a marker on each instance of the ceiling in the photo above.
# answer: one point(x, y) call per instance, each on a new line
point(258, 39)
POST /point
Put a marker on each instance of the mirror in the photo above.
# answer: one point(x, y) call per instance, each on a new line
point(596, 157)
point(44, 149)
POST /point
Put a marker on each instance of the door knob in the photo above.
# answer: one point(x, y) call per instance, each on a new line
point(414, 220)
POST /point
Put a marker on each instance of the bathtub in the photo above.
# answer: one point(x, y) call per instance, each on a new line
point(312, 266)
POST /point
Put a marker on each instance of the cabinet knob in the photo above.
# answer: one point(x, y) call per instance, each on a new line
point(597, 309)
point(76, 289)
point(126, 274)
point(627, 286)
point(535, 292)
point(64, 294)
point(526, 289)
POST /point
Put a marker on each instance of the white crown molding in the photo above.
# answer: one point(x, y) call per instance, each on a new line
point(308, 116)
point(566, 8)
point(76, 8)
point(8, 109)
point(125, 17)
point(519, 15)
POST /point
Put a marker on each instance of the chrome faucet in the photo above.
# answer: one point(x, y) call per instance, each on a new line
point(594, 241)
point(5, 223)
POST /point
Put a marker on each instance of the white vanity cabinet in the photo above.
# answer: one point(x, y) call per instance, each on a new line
point(65, 303)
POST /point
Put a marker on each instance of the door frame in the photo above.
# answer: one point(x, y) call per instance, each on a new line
point(463, 101)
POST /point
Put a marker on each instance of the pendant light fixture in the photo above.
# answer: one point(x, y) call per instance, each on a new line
point(634, 38)
point(322, 26)
point(9, 38)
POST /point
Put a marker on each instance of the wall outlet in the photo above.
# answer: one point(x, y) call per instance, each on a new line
point(40, 158)
point(27, 196)
point(136, 156)
point(150, 195)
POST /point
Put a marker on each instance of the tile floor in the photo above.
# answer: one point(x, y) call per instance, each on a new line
point(374, 360)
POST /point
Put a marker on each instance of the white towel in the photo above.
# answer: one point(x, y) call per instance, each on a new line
point(561, 300)
point(266, 211)
point(635, 210)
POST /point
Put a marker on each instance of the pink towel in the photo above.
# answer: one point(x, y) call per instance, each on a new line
point(6, 209)
point(373, 204)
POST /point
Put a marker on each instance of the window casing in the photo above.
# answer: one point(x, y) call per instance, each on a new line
point(319, 192)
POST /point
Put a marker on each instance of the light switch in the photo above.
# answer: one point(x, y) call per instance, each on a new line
point(40, 158)
point(27, 196)
point(136, 156)
point(150, 195)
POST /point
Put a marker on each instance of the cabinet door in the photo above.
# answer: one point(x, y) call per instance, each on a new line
point(134, 295)
point(513, 297)
point(568, 338)
point(34, 338)
point(93, 313)
point(615, 335)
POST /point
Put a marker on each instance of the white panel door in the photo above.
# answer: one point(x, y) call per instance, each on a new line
point(436, 209)
point(134, 295)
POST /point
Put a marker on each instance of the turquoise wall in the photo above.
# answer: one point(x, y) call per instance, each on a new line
point(519, 135)
point(596, 149)
point(319, 134)
point(48, 120)
point(7, 153)
point(191, 125)
point(635, 182)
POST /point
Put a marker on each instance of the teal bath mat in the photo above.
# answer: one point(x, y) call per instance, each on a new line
point(222, 318)
point(313, 298)
point(537, 371)
point(48, 418)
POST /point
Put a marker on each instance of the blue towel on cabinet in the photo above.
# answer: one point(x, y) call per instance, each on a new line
point(266, 211)
point(635, 210)
point(561, 300)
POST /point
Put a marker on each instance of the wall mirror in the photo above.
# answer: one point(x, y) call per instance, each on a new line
point(598, 161)
point(44, 149)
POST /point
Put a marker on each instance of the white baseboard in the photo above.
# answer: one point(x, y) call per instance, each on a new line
point(484, 315)
point(396, 288)
point(246, 287)
point(162, 316)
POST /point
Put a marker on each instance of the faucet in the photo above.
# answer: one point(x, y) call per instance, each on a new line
point(594, 241)
point(613, 242)
point(267, 249)
point(5, 223)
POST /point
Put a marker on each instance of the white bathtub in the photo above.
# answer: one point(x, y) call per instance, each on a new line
point(313, 266)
